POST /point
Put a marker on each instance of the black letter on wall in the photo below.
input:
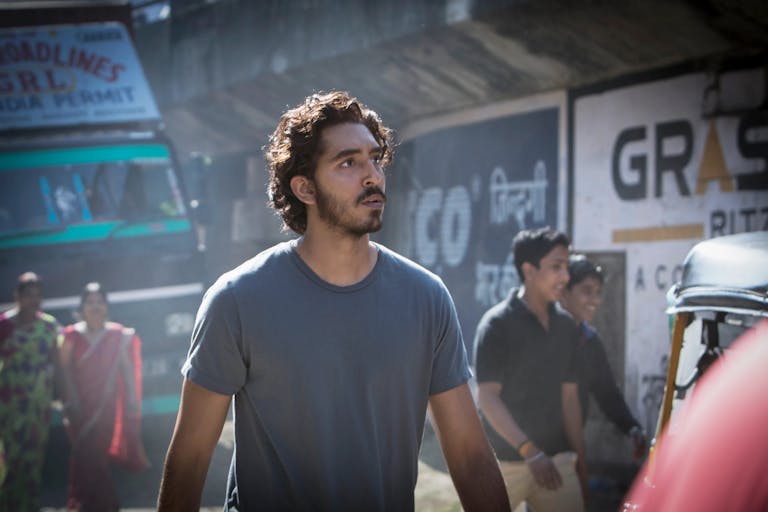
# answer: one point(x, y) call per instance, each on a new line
point(637, 163)
point(753, 149)
point(673, 163)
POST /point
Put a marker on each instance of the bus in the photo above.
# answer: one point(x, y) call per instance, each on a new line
point(90, 186)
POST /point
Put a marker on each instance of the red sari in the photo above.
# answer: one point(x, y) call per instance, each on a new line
point(106, 430)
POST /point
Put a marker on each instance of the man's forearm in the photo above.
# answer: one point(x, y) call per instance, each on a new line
point(572, 421)
point(574, 432)
point(471, 462)
point(500, 419)
point(480, 485)
point(541, 467)
point(612, 403)
point(181, 487)
point(198, 427)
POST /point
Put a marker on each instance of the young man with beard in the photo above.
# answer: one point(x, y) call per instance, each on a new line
point(332, 345)
point(526, 377)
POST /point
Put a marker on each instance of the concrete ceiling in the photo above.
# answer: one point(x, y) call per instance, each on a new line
point(224, 72)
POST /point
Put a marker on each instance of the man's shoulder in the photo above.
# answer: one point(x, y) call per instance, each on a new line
point(507, 309)
point(560, 314)
point(564, 327)
point(250, 271)
point(407, 269)
point(402, 262)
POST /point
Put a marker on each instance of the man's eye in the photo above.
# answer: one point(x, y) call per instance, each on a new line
point(349, 162)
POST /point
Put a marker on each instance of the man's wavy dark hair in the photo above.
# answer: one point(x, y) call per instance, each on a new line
point(294, 147)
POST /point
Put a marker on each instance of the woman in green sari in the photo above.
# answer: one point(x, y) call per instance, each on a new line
point(28, 363)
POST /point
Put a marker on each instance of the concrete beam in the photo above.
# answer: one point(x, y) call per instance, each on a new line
point(224, 73)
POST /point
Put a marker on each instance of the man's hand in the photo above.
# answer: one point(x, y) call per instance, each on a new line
point(544, 471)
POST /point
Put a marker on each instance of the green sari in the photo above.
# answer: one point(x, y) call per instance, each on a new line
point(27, 355)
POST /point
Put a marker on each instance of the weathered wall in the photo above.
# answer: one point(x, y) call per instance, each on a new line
point(224, 72)
point(658, 165)
point(464, 184)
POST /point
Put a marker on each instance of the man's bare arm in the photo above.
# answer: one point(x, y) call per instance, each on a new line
point(572, 417)
point(541, 467)
point(198, 426)
point(574, 430)
point(473, 467)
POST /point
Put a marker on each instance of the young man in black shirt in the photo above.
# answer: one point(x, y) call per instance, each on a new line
point(582, 298)
point(526, 377)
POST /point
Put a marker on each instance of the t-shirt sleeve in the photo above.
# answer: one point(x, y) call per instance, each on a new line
point(491, 350)
point(450, 366)
point(215, 360)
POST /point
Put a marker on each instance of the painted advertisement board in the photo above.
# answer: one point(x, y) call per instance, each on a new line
point(472, 181)
point(657, 167)
point(64, 75)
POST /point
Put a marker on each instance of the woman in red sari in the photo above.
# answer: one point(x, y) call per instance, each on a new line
point(102, 369)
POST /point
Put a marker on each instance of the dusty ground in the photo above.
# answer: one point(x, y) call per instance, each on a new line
point(138, 492)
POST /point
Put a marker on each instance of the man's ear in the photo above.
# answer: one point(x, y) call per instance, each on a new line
point(304, 189)
point(528, 268)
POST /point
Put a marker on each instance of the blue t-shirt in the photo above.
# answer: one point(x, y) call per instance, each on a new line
point(330, 383)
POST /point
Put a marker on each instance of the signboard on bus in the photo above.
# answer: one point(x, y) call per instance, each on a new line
point(67, 75)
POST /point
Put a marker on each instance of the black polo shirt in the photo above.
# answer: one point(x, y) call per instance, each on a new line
point(531, 363)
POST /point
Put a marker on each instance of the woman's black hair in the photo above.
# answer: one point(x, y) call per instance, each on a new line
point(92, 287)
point(580, 268)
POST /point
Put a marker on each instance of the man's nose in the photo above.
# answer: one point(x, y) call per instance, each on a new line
point(374, 174)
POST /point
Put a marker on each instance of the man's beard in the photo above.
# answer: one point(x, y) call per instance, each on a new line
point(339, 217)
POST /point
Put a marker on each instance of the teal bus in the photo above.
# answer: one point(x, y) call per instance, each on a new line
point(111, 209)
point(90, 186)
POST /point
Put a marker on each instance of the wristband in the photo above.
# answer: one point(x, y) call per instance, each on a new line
point(521, 443)
point(535, 457)
point(525, 448)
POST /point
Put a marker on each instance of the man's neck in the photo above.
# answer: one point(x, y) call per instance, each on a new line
point(336, 259)
point(538, 305)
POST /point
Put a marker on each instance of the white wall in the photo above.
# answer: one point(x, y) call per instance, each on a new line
point(652, 176)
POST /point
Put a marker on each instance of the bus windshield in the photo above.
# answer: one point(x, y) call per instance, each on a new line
point(58, 189)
